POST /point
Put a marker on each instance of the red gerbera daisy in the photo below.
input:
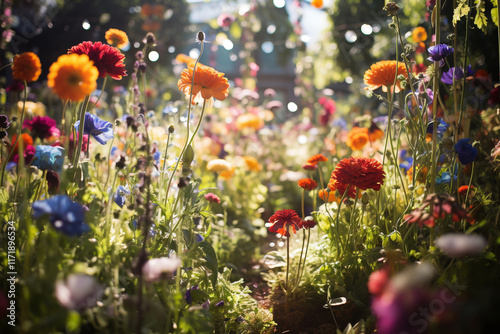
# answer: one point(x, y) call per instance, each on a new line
point(335, 185)
point(107, 59)
point(308, 166)
point(363, 173)
point(307, 184)
point(316, 158)
point(282, 220)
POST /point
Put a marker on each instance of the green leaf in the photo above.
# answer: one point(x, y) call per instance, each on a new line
point(73, 321)
point(211, 259)
point(494, 12)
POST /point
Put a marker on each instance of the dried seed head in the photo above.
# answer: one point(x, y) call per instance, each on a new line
point(200, 37)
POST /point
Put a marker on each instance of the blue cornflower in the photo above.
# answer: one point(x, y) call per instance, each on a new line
point(48, 158)
point(157, 156)
point(441, 128)
point(455, 74)
point(64, 214)
point(101, 130)
point(121, 195)
point(439, 52)
point(466, 153)
point(407, 160)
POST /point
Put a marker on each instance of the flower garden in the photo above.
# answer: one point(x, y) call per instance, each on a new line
point(346, 184)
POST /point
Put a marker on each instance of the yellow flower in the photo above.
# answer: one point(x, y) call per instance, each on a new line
point(35, 108)
point(219, 165)
point(228, 174)
point(116, 38)
point(26, 67)
point(252, 164)
point(73, 77)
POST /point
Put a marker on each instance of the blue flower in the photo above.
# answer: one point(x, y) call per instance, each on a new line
point(64, 214)
point(441, 128)
point(121, 195)
point(48, 158)
point(466, 153)
point(443, 178)
point(157, 157)
point(101, 130)
point(407, 160)
point(439, 52)
point(455, 74)
point(198, 237)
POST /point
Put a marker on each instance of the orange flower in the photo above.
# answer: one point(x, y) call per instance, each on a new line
point(462, 191)
point(317, 3)
point(363, 173)
point(308, 184)
point(219, 165)
point(357, 138)
point(316, 158)
point(419, 34)
point(383, 73)
point(73, 77)
point(252, 164)
point(282, 220)
point(324, 193)
point(26, 67)
point(249, 120)
point(421, 176)
point(207, 82)
point(116, 38)
point(185, 59)
point(25, 140)
point(227, 174)
point(334, 185)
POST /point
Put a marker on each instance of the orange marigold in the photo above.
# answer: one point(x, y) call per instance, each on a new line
point(116, 38)
point(462, 191)
point(383, 73)
point(308, 184)
point(316, 158)
point(25, 139)
point(250, 121)
point(282, 220)
point(324, 194)
point(363, 173)
point(419, 34)
point(207, 82)
point(72, 77)
point(357, 138)
point(317, 3)
point(185, 59)
point(252, 164)
point(26, 67)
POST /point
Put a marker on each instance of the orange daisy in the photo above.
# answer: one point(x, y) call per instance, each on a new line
point(317, 3)
point(419, 34)
point(26, 67)
point(383, 73)
point(73, 77)
point(357, 138)
point(252, 164)
point(208, 83)
point(324, 194)
point(185, 59)
point(316, 158)
point(116, 38)
point(307, 184)
point(250, 121)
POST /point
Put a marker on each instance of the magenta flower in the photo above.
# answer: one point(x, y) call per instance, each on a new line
point(42, 127)
point(212, 198)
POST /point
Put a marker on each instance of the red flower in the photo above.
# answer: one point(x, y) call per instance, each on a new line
point(213, 198)
point(335, 185)
point(107, 59)
point(363, 173)
point(463, 190)
point(307, 184)
point(307, 224)
point(308, 166)
point(316, 158)
point(282, 220)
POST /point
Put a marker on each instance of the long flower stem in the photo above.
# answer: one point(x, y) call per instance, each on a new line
point(434, 105)
point(83, 108)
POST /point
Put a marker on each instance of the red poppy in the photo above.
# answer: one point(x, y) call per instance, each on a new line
point(307, 184)
point(363, 173)
point(107, 59)
point(282, 220)
point(462, 191)
point(316, 158)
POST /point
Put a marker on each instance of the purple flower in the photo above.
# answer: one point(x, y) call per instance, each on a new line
point(29, 154)
point(188, 296)
point(466, 153)
point(42, 127)
point(64, 214)
point(4, 124)
point(439, 52)
point(101, 130)
point(455, 74)
point(220, 304)
point(441, 128)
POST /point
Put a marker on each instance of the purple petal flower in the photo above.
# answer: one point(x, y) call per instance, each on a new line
point(4, 122)
point(101, 130)
point(439, 52)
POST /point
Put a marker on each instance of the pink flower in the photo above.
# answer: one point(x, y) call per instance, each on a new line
point(212, 198)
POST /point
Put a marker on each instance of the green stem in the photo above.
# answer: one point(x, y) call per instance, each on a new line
point(83, 108)
point(435, 104)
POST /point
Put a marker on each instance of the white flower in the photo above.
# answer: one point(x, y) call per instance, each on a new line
point(458, 245)
point(155, 269)
point(79, 291)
